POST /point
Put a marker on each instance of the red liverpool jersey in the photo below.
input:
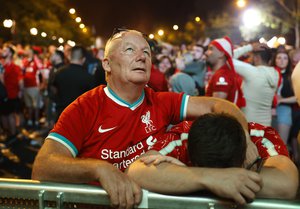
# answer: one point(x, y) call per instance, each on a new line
point(101, 125)
point(174, 142)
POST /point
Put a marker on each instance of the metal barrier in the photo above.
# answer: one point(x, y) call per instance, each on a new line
point(29, 194)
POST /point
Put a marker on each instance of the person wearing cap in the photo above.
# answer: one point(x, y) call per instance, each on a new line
point(260, 82)
point(104, 130)
point(224, 82)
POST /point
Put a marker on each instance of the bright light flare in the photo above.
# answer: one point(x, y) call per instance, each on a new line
point(281, 40)
point(251, 18)
point(33, 31)
point(175, 27)
point(7, 23)
point(72, 11)
point(160, 32)
point(78, 19)
point(241, 3)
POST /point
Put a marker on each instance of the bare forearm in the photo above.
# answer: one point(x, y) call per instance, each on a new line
point(65, 169)
point(55, 163)
point(198, 106)
point(165, 178)
point(280, 179)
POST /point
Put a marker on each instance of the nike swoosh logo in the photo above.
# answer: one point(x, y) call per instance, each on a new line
point(105, 130)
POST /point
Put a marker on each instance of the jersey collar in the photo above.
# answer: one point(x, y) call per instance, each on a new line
point(112, 95)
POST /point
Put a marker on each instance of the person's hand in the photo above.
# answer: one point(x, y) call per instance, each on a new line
point(237, 184)
point(259, 46)
point(122, 191)
point(251, 151)
point(157, 159)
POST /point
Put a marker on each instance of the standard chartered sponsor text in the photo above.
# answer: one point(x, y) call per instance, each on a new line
point(123, 154)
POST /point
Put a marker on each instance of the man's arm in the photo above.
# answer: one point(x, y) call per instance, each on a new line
point(198, 106)
point(54, 162)
point(280, 178)
point(167, 178)
point(296, 81)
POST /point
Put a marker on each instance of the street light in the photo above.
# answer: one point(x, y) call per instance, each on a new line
point(197, 19)
point(78, 19)
point(33, 31)
point(60, 40)
point(72, 11)
point(71, 43)
point(84, 30)
point(175, 27)
point(151, 36)
point(81, 25)
point(281, 40)
point(251, 18)
point(43, 34)
point(241, 3)
point(160, 32)
point(7, 23)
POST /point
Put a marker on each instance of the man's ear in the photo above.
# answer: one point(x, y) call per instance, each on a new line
point(106, 65)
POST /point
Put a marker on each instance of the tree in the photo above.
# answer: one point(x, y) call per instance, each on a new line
point(283, 15)
point(50, 16)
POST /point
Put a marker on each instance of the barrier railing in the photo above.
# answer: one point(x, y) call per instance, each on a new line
point(29, 194)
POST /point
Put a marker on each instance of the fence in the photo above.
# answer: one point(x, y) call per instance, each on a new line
point(29, 194)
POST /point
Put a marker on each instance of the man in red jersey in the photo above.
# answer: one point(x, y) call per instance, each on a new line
point(103, 131)
point(13, 82)
point(224, 82)
point(219, 141)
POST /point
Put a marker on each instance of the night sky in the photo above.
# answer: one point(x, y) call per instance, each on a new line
point(143, 15)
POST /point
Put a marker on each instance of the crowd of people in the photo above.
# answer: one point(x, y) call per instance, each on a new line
point(105, 110)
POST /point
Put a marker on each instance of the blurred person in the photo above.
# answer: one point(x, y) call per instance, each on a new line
point(219, 141)
point(260, 82)
point(13, 82)
point(296, 82)
point(197, 68)
point(224, 83)
point(32, 96)
point(285, 94)
point(157, 81)
point(104, 130)
point(295, 130)
point(181, 82)
point(57, 60)
point(94, 67)
point(71, 80)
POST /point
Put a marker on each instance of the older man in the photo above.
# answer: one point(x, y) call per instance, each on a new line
point(103, 131)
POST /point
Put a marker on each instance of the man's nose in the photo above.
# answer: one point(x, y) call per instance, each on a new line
point(140, 56)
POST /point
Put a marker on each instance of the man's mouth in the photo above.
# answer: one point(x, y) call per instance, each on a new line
point(140, 69)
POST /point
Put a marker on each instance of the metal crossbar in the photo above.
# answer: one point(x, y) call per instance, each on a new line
point(29, 194)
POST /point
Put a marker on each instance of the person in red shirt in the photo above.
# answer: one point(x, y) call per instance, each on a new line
point(32, 95)
point(219, 141)
point(224, 83)
point(13, 83)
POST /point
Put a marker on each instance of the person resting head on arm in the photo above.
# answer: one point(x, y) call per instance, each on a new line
point(219, 141)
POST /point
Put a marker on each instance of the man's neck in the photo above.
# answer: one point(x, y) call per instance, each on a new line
point(7, 61)
point(217, 66)
point(129, 93)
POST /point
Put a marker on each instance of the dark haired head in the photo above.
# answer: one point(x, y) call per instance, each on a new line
point(60, 54)
point(265, 55)
point(12, 51)
point(78, 52)
point(217, 140)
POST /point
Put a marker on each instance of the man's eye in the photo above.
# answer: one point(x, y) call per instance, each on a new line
point(129, 49)
point(147, 52)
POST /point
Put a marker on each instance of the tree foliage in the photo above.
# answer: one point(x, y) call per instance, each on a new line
point(49, 16)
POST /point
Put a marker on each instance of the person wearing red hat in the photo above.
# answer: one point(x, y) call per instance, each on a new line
point(224, 83)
